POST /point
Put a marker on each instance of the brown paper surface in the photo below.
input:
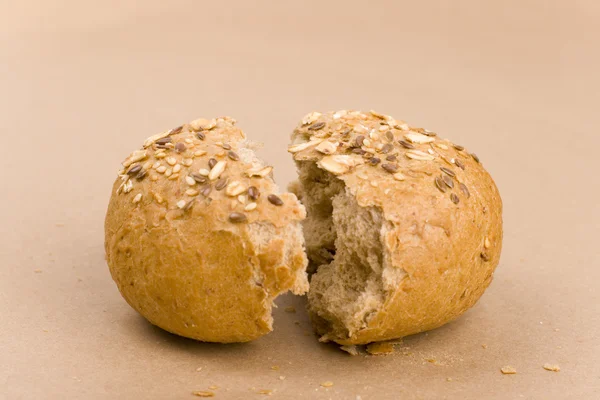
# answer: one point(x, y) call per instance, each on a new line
point(82, 85)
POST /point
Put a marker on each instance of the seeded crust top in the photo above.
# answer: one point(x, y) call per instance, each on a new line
point(195, 164)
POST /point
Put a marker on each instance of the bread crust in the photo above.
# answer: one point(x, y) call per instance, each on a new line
point(442, 209)
point(203, 265)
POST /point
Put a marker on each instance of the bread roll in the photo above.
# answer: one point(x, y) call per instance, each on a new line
point(404, 229)
point(198, 238)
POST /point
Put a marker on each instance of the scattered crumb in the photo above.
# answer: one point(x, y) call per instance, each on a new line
point(45, 330)
point(290, 309)
point(350, 349)
point(327, 384)
point(552, 367)
point(37, 271)
point(556, 329)
point(433, 361)
point(199, 369)
point(266, 392)
point(449, 379)
point(59, 225)
point(306, 333)
point(508, 370)
point(203, 393)
point(275, 367)
point(281, 377)
point(380, 348)
point(297, 322)
point(484, 346)
point(213, 387)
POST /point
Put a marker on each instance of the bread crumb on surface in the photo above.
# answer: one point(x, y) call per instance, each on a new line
point(508, 370)
point(380, 348)
point(37, 271)
point(203, 393)
point(281, 378)
point(213, 387)
point(449, 379)
point(290, 309)
point(199, 369)
point(327, 384)
point(484, 346)
point(551, 367)
point(350, 349)
point(275, 367)
point(266, 392)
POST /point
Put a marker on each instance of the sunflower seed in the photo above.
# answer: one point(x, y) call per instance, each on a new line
point(134, 170)
point(316, 126)
point(448, 181)
point(391, 157)
point(253, 192)
point(475, 157)
point(429, 133)
point(448, 171)
point(439, 183)
point(217, 170)
point(211, 163)
point(406, 145)
point(358, 150)
point(464, 189)
point(419, 155)
point(237, 217)
point(374, 160)
point(454, 198)
point(359, 140)
point(206, 190)
point(459, 164)
point(389, 136)
point(141, 175)
point(275, 200)
point(458, 147)
point(200, 135)
point(226, 146)
point(164, 141)
point(418, 138)
point(189, 205)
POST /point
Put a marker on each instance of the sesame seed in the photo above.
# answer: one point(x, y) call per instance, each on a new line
point(439, 183)
point(189, 141)
point(399, 176)
point(464, 189)
point(253, 192)
point(387, 148)
point(242, 198)
point(454, 198)
point(190, 180)
point(327, 384)
point(374, 183)
point(235, 188)
point(137, 198)
point(158, 198)
point(160, 155)
point(374, 160)
point(169, 172)
point(250, 206)
point(448, 181)
point(366, 143)
point(475, 157)
point(206, 190)
point(211, 163)
point(448, 171)
point(200, 135)
point(180, 147)
point(459, 164)
point(316, 126)
point(486, 243)
point(406, 145)
point(191, 192)
point(181, 203)
point(391, 168)
point(441, 146)
point(459, 147)
point(203, 171)
point(391, 157)
point(188, 162)
point(147, 165)
point(171, 161)
point(164, 141)
point(153, 178)
point(199, 153)
point(237, 217)
point(161, 169)
point(233, 155)
point(220, 184)
point(275, 200)
point(156, 165)
point(173, 177)
point(176, 168)
point(346, 131)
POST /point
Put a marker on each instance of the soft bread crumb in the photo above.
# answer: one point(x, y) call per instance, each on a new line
point(552, 367)
point(508, 370)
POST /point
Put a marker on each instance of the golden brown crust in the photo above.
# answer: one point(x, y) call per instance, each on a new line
point(204, 264)
point(444, 210)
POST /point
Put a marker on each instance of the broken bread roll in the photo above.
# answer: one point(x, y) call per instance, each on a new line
point(199, 239)
point(404, 229)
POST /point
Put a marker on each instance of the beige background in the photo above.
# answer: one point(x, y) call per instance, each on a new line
point(82, 85)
